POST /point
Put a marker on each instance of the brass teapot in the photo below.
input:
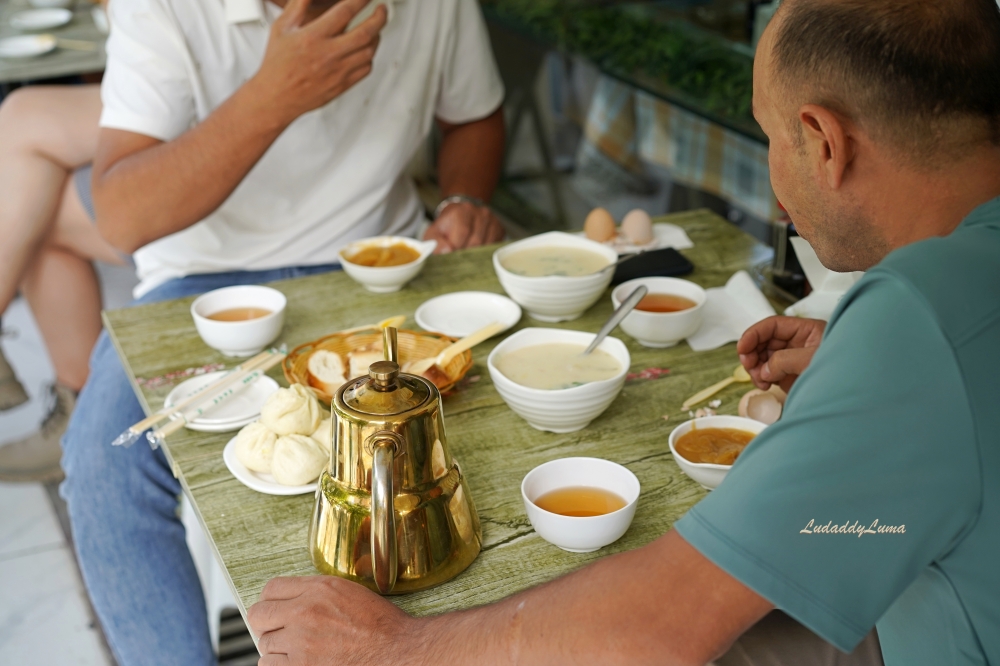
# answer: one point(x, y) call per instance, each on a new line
point(393, 511)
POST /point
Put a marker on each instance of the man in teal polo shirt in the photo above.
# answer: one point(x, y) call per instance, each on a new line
point(875, 501)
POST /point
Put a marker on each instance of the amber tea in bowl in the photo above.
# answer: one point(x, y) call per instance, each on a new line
point(239, 314)
point(240, 320)
point(580, 504)
point(664, 303)
point(670, 312)
point(581, 501)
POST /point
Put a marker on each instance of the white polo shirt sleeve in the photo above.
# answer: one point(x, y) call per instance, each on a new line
point(147, 85)
point(471, 88)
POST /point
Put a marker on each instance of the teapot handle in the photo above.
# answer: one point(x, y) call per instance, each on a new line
point(383, 526)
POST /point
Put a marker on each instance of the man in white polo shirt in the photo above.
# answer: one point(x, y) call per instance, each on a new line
point(246, 141)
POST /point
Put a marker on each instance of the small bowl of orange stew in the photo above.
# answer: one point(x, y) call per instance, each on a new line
point(706, 448)
point(385, 263)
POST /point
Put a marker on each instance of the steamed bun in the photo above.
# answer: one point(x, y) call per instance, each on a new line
point(291, 411)
point(298, 460)
point(255, 447)
point(324, 435)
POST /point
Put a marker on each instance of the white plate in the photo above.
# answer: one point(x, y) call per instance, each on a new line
point(262, 483)
point(238, 411)
point(464, 312)
point(664, 235)
point(41, 19)
point(26, 46)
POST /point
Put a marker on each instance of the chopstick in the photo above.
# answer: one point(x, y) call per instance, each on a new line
point(391, 322)
point(221, 392)
point(210, 399)
point(76, 44)
point(128, 437)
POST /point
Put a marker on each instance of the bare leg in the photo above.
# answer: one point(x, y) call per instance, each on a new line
point(47, 132)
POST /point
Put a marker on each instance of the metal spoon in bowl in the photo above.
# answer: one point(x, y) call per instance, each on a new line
point(616, 317)
point(621, 260)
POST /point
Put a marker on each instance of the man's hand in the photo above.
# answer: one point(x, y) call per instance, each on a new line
point(463, 225)
point(300, 620)
point(778, 349)
point(308, 65)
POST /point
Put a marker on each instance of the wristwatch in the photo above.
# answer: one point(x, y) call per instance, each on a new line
point(456, 198)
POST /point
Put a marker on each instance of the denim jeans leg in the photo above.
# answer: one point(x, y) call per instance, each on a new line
point(129, 540)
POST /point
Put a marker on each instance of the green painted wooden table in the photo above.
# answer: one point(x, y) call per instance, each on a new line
point(258, 537)
point(63, 61)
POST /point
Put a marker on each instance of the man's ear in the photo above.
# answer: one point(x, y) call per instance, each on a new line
point(827, 142)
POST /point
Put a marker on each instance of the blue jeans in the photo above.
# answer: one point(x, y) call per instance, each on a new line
point(123, 508)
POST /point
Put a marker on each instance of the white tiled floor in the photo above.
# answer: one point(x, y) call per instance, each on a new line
point(44, 615)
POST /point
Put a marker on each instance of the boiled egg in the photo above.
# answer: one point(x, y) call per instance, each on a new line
point(600, 226)
point(638, 227)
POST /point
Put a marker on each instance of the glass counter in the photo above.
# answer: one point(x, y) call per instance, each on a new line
point(695, 54)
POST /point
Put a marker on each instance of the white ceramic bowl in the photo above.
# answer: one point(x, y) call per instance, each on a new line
point(385, 279)
point(707, 474)
point(239, 338)
point(662, 329)
point(576, 534)
point(561, 410)
point(555, 297)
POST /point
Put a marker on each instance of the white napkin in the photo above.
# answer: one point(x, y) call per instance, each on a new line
point(729, 311)
point(828, 287)
point(670, 235)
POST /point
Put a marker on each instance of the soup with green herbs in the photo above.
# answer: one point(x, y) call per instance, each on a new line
point(551, 260)
point(557, 365)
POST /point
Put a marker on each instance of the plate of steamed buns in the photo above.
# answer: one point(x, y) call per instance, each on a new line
point(283, 452)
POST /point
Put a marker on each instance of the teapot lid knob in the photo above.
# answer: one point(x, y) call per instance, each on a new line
point(383, 374)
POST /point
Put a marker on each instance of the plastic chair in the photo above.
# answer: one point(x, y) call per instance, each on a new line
point(218, 595)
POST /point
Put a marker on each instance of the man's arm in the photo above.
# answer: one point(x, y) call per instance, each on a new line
point(145, 189)
point(661, 604)
point(469, 163)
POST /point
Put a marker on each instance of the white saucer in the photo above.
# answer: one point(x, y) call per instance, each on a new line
point(664, 235)
point(262, 483)
point(463, 312)
point(238, 411)
point(26, 46)
point(41, 19)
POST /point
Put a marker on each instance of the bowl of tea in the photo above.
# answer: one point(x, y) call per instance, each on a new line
point(580, 504)
point(706, 448)
point(386, 263)
point(671, 311)
point(239, 321)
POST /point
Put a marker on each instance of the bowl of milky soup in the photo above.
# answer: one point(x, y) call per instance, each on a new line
point(554, 276)
point(241, 320)
point(542, 376)
point(671, 311)
point(385, 263)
